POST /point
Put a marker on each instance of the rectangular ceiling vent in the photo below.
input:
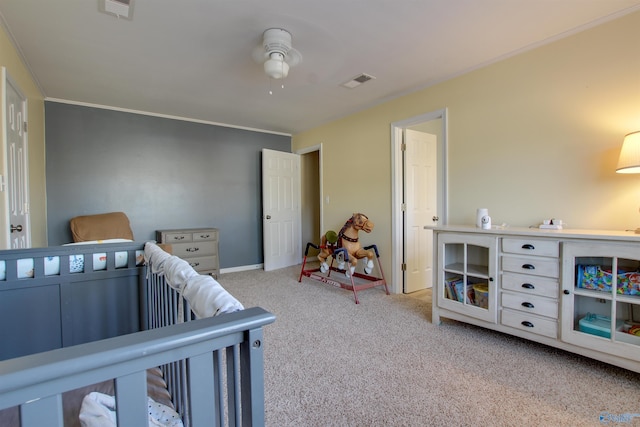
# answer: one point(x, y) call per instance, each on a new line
point(117, 8)
point(358, 80)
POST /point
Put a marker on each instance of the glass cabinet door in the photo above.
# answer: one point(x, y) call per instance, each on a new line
point(601, 298)
point(466, 272)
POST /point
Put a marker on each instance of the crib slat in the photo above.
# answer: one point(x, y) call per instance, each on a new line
point(42, 412)
point(252, 368)
point(131, 399)
point(233, 384)
point(201, 388)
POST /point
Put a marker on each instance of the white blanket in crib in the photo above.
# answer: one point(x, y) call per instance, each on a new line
point(99, 410)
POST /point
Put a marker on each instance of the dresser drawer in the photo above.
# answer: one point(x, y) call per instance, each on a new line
point(194, 249)
point(176, 237)
point(527, 284)
point(206, 263)
point(530, 323)
point(530, 304)
point(550, 248)
point(537, 266)
point(199, 236)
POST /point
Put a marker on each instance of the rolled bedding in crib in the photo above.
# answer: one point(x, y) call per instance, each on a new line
point(205, 295)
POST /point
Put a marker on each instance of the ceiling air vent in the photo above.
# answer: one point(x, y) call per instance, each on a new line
point(117, 8)
point(358, 80)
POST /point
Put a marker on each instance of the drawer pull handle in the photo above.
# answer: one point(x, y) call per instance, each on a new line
point(528, 286)
point(528, 267)
point(193, 249)
point(528, 246)
point(205, 236)
point(527, 304)
point(178, 238)
point(527, 324)
point(194, 264)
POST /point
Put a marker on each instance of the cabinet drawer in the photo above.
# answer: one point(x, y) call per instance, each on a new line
point(176, 237)
point(199, 236)
point(537, 266)
point(194, 249)
point(203, 263)
point(530, 304)
point(550, 248)
point(530, 323)
point(527, 284)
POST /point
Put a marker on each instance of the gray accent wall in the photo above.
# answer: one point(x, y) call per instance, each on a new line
point(163, 173)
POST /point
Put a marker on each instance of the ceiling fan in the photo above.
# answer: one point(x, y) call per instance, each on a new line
point(276, 53)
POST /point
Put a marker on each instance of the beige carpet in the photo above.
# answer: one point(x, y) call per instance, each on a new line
point(330, 362)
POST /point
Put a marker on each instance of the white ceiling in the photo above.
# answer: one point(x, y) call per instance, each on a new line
point(192, 58)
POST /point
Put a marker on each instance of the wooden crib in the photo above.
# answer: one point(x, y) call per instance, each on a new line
point(65, 328)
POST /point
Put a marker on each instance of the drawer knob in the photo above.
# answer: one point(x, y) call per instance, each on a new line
point(527, 304)
point(527, 324)
point(528, 286)
point(528, 267)
point(528, 246)
point(566, 292)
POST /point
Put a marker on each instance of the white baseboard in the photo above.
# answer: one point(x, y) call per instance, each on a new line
point(241, 268)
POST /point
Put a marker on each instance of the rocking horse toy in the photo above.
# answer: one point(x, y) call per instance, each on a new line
point(348, 238)
point(345, 248)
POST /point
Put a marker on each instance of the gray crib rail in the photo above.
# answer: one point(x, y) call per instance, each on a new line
point(36, 382)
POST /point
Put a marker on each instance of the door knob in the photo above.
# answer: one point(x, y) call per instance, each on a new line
point(17, 228)
point(435, 218)
point(268, 216)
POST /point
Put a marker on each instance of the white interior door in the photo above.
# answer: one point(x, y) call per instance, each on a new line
point(420, 176)
point(16, 166)
point(281, 211)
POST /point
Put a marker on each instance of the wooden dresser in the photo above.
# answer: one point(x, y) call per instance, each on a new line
point(197, 246)
point(556, 287)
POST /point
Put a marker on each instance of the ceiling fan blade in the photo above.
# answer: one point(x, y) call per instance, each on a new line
point(259, 55)
point(293, 57)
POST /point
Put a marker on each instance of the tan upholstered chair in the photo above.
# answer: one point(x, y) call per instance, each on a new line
point(113, 225)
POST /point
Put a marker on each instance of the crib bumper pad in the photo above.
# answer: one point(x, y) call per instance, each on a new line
point(205, 295)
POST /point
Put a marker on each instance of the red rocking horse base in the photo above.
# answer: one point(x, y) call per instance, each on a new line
point(354, 282)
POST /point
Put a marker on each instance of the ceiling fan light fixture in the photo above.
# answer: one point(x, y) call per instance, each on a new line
point(276, 53)
point(276, 68)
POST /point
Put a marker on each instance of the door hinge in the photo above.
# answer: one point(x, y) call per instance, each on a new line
point(403, 207)
point(403, 267)
point(403, 147)
point(24, 126)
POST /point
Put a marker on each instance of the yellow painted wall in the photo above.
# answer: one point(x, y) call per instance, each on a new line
point(531, 137)
point(10, 59)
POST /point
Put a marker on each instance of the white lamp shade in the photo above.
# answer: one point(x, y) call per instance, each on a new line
point(629, 161)
point(275, 67)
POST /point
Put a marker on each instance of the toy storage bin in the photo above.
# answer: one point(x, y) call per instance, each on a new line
point(481, 293)
point(596, 324)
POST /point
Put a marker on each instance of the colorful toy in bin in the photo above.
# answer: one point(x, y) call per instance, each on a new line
point(598, 278)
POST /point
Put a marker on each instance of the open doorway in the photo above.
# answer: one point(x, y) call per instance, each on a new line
point(435, 125)
point(311, 190)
